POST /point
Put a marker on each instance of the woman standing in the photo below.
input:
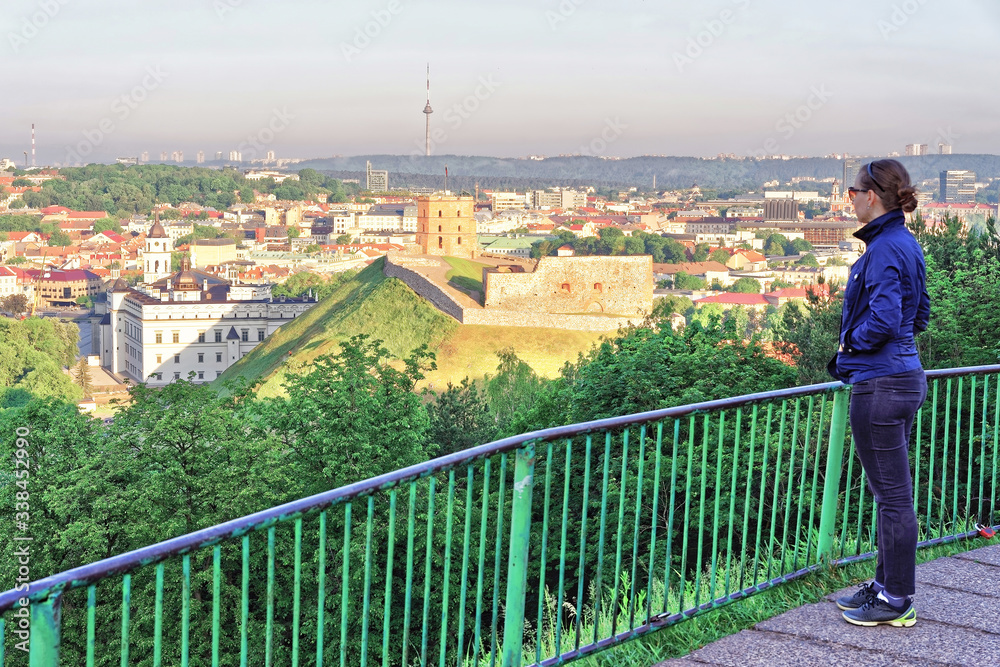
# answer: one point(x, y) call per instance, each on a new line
point(885, 306)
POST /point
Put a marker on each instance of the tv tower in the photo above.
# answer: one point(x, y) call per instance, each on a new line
point(427, 112)
point(32, 144)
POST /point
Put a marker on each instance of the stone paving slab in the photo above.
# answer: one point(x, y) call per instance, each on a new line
point(751, 648)
point(681, 662)
point(959, 608)
point(987, 555)
point(960, 574)
point(926, 641)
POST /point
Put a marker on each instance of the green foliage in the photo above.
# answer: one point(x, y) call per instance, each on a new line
point(15, 304)
point(321, 284)
point(59, 238)
point(107, 225)
point(648, 369)
point(35, 352)
point(465, 274)
point(808, 259)
point(344, 239)
point(720, 256)
point(746, 286)
point(810, 333)
point(700, 253)
point(460, 418)
point(352, 416)
point(688, 282)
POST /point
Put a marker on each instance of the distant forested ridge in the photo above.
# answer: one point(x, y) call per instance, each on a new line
point(671, 172)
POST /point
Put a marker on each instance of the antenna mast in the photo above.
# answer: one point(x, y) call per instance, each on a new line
point(427, 112)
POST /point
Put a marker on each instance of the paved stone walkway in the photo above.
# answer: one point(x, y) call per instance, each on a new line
point(958, 623)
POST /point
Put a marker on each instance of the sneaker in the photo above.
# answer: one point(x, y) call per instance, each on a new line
point(864, 593)
point(877, 611)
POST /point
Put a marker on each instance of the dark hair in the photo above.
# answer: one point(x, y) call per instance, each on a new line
point(891, 182)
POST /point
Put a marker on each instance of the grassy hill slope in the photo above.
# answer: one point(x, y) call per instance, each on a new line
point(385, 308)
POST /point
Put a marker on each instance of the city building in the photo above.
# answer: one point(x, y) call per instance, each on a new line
point(235, 156)
point(201, 157)
point(63, 288)
point(212, 252)
point(958, 187)
point(504, 201)
point(852, 166)
point(376, 180)
point(781, 209)
point(446, 226)
point(188, 324)
point(558, 198)
point(916, 149)
point(944, 149)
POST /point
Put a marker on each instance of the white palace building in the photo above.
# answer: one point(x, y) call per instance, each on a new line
point(187, 323)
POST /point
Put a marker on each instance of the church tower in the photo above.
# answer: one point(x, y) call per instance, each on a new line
point(156, 256)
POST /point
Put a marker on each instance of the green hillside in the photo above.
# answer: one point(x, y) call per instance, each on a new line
point(387, 309)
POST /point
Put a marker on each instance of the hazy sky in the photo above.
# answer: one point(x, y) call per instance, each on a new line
point(311, 78)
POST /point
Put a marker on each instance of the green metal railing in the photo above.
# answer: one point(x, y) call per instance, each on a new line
point(536, 549)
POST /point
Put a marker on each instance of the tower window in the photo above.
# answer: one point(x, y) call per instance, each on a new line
point(598, 287)
point(440, 214)
point(439, 228)
point(459, 214)
point(440, 242)
point(459, 240)
point(460, 228)
point(565, 287)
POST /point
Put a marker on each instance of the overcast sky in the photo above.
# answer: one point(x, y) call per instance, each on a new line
point(315, 78)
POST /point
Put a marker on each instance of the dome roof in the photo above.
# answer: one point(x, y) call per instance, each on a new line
point(157, 231)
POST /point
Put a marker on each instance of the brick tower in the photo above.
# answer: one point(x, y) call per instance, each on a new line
point(446, 226)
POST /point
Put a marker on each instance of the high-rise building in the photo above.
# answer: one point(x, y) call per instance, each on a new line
point(235, 156)
point(376, 180)
point(218, 155)
point(958, 186)
point(201, 157)
point(163, 156)
point(177, 156)
point(144, 157)
point(852, 166)
point(270, 156)
point(916, 149)
point(944, 149)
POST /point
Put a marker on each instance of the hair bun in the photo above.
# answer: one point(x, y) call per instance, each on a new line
point(907, 199)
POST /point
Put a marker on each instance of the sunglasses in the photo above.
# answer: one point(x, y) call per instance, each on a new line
point(853, 192)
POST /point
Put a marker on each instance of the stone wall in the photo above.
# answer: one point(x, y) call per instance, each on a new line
point(395, 268)
point(573, 285)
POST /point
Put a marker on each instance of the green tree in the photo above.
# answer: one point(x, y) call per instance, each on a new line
point(808, 259)
point(720, 256)
point(83, 377)
point(810, 333)
point(107, 225)
point(746, 286)
point(354, 415)
point(294, 232)
point(800, 245)
point(60, 239)
point(15, 304)
point(685, 281)
point(344, 239)
point(700, 253)
point(460, 418)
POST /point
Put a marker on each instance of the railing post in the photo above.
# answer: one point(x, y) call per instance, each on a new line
point(45, 620)
point(517, 564)
point(834, 465)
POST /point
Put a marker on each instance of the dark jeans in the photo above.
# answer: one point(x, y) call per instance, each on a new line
point(882, 412)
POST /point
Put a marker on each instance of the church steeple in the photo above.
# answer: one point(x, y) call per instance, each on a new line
point(156, 255)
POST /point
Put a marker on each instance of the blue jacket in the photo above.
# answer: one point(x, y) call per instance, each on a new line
point(885, 304)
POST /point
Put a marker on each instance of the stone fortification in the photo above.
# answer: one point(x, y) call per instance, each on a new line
point(446, 226)
point(565, 285)
point(406, 269)
point(422, 275)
